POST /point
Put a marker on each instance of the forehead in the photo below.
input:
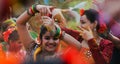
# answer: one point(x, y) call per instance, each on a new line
point(48, 34)
point(83, 17)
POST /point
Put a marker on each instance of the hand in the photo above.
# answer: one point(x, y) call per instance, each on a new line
point(58, 17)
point(44, 10)
point(48, 22)
point(86, 33)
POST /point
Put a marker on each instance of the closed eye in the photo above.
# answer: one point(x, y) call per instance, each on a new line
point(55, 38)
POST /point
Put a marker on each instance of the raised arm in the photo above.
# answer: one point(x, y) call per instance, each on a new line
point(25, 37)
point(22, 29)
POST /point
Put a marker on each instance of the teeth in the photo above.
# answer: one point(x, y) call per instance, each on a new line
point(50, 46)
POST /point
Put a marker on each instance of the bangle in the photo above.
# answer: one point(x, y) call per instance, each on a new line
point(34, 8)
point(29, 12)
point(58, 31)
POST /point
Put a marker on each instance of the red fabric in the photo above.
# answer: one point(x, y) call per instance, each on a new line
point(73, 33)
point(102, 53)
point(106, 47)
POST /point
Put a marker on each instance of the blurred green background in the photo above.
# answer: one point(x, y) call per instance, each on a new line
point(19, 6)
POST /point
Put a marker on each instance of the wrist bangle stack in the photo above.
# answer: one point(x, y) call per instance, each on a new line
point(32, 10)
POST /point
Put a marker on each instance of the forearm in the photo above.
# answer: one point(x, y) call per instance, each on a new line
point(115, 40)
point(72, 41)
point(22, 29)
point(23, 18)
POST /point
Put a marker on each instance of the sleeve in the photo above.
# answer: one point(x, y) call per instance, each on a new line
point(107, 50)
point(96, 53)
point(73, 33)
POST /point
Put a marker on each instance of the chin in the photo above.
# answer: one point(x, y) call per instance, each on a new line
point(51, 50)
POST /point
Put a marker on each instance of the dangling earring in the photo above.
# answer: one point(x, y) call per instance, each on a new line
point(95, 29)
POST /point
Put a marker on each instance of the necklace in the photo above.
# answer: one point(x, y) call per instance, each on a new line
point(88, 54)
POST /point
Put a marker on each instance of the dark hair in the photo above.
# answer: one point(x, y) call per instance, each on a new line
point(92, 15)
point(13, 36)
point(43, 30)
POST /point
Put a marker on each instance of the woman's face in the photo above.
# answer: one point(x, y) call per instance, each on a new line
point(49, 43)
point(16, 45)
point(84, 22)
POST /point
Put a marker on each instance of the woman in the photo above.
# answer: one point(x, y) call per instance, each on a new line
point(99, 49)
point(50, 36)
point(15, 52)
point(112, 17)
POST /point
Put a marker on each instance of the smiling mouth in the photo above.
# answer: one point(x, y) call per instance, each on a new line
point(51, 45)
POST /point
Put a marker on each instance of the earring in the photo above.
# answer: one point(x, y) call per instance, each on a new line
point(95, 29)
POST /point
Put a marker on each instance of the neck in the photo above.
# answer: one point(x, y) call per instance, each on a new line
point(97, 37)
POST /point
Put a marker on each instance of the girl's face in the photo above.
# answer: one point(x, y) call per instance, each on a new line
point(49, 42)
point(84, 22)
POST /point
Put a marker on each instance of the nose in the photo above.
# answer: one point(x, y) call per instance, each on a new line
point(51, 41)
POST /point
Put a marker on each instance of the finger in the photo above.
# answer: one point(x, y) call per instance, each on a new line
point(51, 8)
point(80, 28)
point(48, 8)
point(88, 27)
point(40, 12)
point(43, 11)
point(46, 13)
point(80, 33)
